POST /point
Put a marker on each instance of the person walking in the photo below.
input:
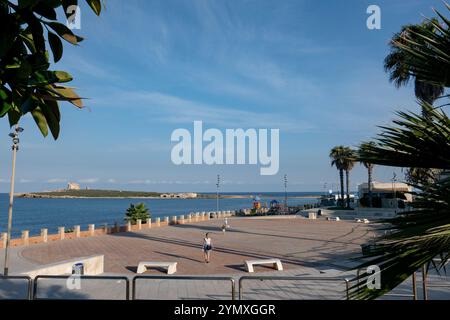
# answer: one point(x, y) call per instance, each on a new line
point(207, 247)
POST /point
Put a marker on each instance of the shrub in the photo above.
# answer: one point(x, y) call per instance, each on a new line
point(135, 212)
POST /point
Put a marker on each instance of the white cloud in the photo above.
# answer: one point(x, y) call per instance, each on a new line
point(89, 180)
point(56, 180)
point(173, 109)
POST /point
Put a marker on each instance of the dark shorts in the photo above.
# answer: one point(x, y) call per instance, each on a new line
point(207, 248)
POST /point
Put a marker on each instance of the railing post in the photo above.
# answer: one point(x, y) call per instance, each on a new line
point(26, 237)
point(91, 228)
point(76, 230)
point(424, 283)
point(4, 236)
point(44, 235)
point(414, 286)
point(61, 232)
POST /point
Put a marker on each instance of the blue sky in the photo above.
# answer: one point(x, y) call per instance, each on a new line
point(308, 67)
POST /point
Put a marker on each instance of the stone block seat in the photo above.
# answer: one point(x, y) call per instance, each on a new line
point(170, 266)
point(276, 263)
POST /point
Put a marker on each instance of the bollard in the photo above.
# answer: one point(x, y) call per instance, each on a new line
point(44, 235)
point(91, 229)
point(4, 237)
point(174, 220)
point(116, 227)
point(61, 233)
point(166, 220)
point(128, 226)
point(189, 217)
point(76, 230)
point(197, 216)
point(181, 219)
point(149, 223)
point(139, 224)
point(158, 222)
point(26, 237)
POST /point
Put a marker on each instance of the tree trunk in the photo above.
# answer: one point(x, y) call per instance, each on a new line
point(341, 175)
point(369, 182)
point(347, 175)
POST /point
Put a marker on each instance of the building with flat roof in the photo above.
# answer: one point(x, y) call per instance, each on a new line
point(385, 194)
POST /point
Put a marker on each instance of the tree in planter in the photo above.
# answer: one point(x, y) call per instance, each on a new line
point(134, 213)
point(27, 85)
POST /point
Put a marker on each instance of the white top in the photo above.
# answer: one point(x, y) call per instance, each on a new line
point(207, 241)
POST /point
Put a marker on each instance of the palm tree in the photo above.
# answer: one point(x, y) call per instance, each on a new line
point(418, 141)
point(369, 166)
point(349, 163)
point(338, 156)
point(416, 237)
point(396, 63)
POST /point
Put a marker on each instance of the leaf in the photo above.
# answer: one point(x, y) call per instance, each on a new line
point(5, 104)
point(63, 32)
point(45, 10)
point(52, 120)
point(29, 105)
point(13, 116)
point(95, 5)
point(40, 120)
point(70, 94)
point(27, 3)
point(56, 46)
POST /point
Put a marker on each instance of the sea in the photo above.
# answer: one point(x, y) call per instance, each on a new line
point(35, 214)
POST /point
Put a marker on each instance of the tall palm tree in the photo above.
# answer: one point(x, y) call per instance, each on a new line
point(349, 163)
point(396, 63)
point(401, 71)
point(369, 166)
point(418, 141)
point(416, 237)
point(338, 156)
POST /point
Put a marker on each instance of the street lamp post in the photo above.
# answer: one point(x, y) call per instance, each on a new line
point(394, 180)
point(217, 198)
point(15, 147)
point(285, 193)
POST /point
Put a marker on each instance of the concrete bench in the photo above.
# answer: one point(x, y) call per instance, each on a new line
point(276, 263)
point(170, 266)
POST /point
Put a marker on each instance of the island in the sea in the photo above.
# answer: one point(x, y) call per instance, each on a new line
point(98, 193)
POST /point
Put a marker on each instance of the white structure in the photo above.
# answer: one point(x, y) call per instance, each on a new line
point(276, 263)
point(189, 195)
point(170, 266)
point(389, 192)
point(73, 186)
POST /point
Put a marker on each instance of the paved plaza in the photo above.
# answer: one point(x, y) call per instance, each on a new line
point(297, 242)
point(308, 249)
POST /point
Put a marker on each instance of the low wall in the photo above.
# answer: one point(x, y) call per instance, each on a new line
point(92, 231)
point(93, 265)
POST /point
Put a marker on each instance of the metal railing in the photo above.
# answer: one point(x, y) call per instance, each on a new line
point(81, 277)
point(293, 278)
point(400, 295)
point(189, 278)
point(426, 284)
point(29, 284)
